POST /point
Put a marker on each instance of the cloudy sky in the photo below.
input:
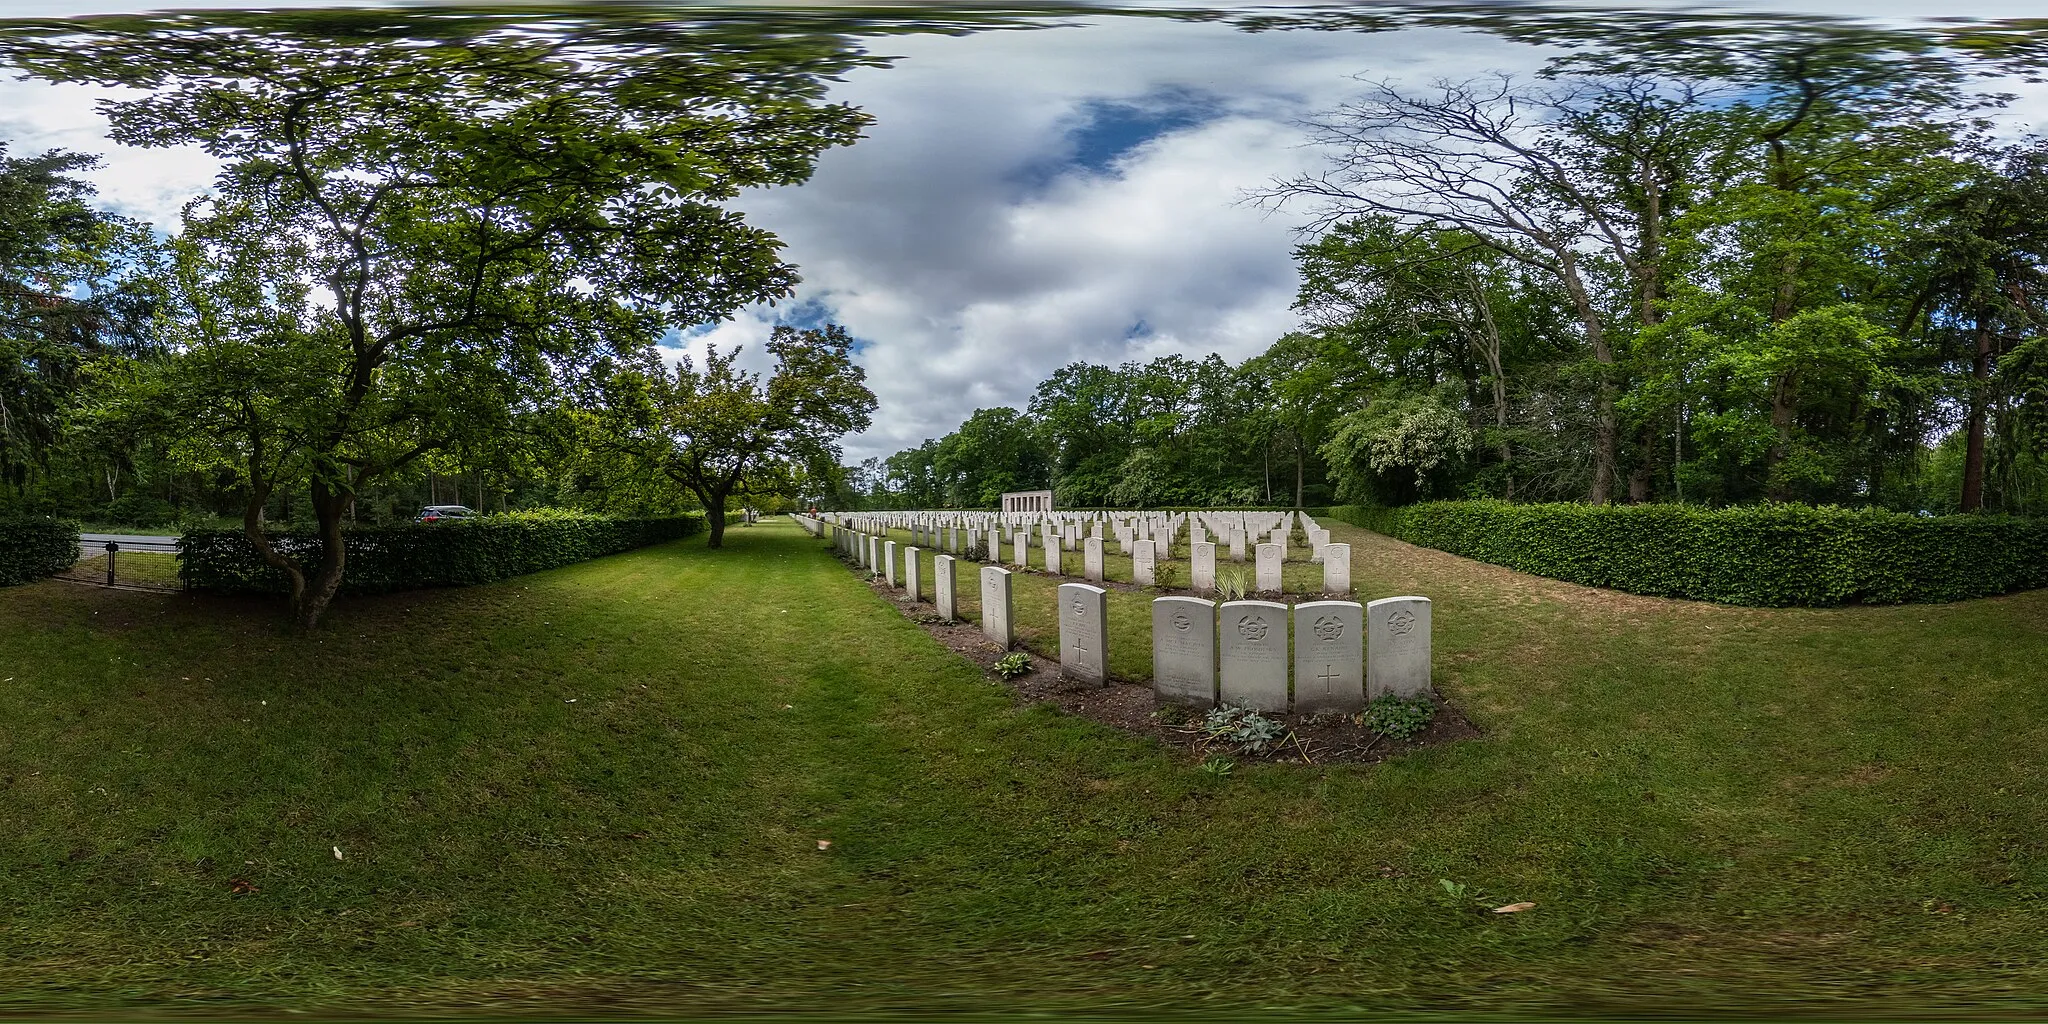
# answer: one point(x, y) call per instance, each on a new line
point(1024, 199)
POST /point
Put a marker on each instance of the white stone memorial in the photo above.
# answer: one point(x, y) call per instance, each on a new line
point(1237, 545)
point(1329, 657)
point(1254, 663)
point(1397, 647)
point(995, 605)
point(1051, 544)
point(945, 584)
point(1270, 558)
point(1336, 568)
point(1144, 568)
point(1084, 632)
point(1091, 559)
point(1202, 566)
point(1184, 651)
point(889, 561)
point(911, 582)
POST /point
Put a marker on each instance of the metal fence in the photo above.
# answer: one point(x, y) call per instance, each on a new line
point(131, 564)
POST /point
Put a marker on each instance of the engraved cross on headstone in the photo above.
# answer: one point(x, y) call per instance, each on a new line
point(1328, 676)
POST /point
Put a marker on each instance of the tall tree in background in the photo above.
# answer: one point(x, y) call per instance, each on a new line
point(721, 431)
point(70, 290)
point(414, 236)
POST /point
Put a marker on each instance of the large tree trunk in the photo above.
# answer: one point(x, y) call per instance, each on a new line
point(714, 515)
point(331, 507)
point(1607, 423)
point(1784, 409)
point(252, 528)
point(1972, 498)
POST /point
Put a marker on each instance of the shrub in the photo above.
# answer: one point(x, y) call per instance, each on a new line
point(1398, 717)
point(408, 556)
point(1771, 555)
point(1242, 729)
point(32, 548)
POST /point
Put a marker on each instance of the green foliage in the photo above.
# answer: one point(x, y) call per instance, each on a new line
point(1217, 767)
point(410, 556)
point(1772, 555)
point(1242, 729)
point(32, 548)
point(1399, 718)
point(1233, 584)
point(1010, 666)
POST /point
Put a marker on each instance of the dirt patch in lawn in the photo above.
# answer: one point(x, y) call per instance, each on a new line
point(1135, 708)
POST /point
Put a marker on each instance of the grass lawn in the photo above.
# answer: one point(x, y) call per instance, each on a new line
point(603, 788)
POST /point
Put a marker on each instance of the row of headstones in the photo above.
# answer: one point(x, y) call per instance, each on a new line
point(1344, 652)
point(1145, 556)
point(1235, 530)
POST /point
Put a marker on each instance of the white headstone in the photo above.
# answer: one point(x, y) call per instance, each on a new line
point(1254, 663)
point(1020, 549)
point(889, 561)
point(1084, 632)
point(1143, 570)
point(1397, 646)
point(911, 581)
point(1269, 579)
point(1051, 544)
point(1336, 568)
point(1237, 545)
point(945, 584)
point(1202, 566)
point(1329, 657)
point(1184, 650)
point(995, 605)
point(1091, 559)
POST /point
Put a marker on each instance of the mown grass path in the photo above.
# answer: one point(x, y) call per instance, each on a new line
point(604, 786)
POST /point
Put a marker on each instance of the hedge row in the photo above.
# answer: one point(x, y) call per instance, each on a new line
point(382, 559)
point(1772, 555)
point(32, 548)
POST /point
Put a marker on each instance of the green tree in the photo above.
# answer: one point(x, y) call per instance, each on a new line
point(413, 237)
point(721, 431)
point(70, 292)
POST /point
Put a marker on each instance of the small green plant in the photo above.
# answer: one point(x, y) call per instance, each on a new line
point(1010, 666)
point(1218, 767)
point(1166, 574)
point(1232, 585)
point(1243, 729)
point(1455, 889)
point(1398, 718)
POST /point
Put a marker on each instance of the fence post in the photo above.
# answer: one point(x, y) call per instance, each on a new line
point(111, 549)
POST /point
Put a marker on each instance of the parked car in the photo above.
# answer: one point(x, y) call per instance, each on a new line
point(438, 513)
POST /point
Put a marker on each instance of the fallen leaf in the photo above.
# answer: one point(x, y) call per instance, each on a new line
point(824, 844)
point(337, 853)
point(1514, 908)
point(241, 886)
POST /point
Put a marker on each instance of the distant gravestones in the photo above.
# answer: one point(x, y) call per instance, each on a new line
point(1270, 558)
point(1329, 657)
point(995, 606)
point(1084, 632)
point(1397, 646)
point(1254, 663)
point(945, 585)
point(1184, 650)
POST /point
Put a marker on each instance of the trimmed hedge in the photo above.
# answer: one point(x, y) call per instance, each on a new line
point(32, 548)
point(382, 559)
point(1772, 555)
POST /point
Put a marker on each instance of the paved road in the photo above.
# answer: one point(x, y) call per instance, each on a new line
point(90, 544)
